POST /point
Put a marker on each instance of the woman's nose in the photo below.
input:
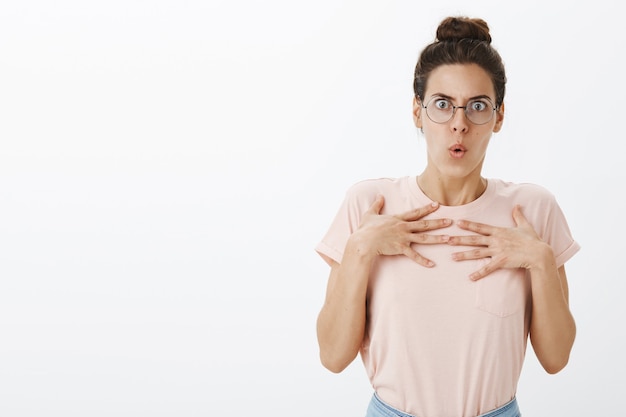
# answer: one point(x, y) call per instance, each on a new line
point(459, 122)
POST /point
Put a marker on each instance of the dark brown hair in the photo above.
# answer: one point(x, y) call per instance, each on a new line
point(461, 40)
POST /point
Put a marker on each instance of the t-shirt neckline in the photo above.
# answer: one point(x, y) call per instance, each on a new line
point(480, 202)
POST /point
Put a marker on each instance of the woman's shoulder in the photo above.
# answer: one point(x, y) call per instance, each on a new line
point(521, 189)
point(374, 186)
point(533, 197)
point(364, 192)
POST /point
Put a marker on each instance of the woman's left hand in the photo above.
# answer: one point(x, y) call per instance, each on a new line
point(516, 247)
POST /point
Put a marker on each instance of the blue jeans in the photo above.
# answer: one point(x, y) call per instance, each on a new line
point(378, 408)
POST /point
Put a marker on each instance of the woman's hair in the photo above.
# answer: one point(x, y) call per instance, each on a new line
point(461, 40)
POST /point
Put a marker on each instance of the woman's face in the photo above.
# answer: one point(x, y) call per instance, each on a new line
point(457, 147)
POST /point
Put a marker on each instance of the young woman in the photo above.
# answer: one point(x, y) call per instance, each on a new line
point(438, 280)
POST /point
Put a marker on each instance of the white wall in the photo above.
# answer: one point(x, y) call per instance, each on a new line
point(166, 168)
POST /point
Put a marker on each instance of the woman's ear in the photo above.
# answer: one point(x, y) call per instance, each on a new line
point(499, 118)
point(417, 112)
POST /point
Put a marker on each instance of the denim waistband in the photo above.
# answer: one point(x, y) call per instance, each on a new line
point(378, 408)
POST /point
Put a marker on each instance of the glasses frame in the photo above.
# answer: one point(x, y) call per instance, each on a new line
point(493, 109)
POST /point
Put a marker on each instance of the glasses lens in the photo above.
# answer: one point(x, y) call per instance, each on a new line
point(479, 112)
point(439, 110)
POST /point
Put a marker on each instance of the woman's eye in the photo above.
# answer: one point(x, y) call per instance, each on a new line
point(442, 104)
point(478, 105)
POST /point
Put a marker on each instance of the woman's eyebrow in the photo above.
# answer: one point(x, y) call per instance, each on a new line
point(447, 97)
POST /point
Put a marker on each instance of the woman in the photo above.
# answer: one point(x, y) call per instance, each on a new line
point(438, 280)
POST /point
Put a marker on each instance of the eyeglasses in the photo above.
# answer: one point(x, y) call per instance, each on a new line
point(478, 111)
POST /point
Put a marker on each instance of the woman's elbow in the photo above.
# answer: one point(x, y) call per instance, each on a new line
point(333, 363)
point(556, 365)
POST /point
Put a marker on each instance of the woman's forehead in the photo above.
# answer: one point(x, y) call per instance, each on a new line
point(460, 82)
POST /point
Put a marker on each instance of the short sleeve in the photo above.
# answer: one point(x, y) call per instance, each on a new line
point(357, 200)
point(555, 230)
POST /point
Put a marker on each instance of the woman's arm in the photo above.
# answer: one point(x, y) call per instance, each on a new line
point(342, 319)
point(552, 327)
point(341, 322)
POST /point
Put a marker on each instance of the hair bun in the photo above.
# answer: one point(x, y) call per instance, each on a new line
point(456, 28)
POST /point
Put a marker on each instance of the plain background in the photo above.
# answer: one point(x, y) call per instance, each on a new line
point(167, 168)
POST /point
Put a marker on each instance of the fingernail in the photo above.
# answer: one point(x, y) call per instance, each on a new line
point(434, 204)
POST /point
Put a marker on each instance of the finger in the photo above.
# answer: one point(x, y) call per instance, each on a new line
point(418, 213)
point(427, 239)
point(377, 205)
point(518, 216)
point(483, 229)
point(424, 225)
point(471, 254)
point(472, 240)
point(410, 253)
point(484, 271)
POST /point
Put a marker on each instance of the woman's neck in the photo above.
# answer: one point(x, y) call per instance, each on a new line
point(451, 191)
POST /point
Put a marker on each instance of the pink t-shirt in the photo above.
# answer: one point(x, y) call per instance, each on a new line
point(436, 343)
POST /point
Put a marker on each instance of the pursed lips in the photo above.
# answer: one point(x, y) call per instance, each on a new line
point(457, 151)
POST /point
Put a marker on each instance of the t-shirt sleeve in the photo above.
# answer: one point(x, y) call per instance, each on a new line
point(346, 221)
point(556, 232)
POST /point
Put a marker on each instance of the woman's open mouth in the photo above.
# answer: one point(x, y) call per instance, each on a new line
point(457, 151)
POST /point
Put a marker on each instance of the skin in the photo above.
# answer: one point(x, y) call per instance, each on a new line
point(448, 181)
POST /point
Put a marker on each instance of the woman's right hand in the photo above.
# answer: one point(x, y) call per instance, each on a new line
point(382, 234)
point(342, 320)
